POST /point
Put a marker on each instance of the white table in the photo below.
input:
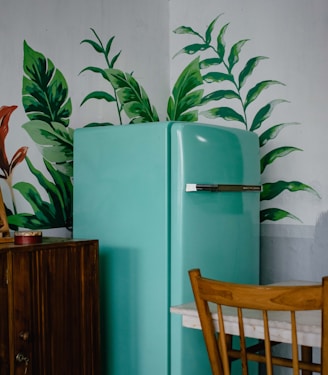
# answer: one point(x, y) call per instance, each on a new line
point(308, 323)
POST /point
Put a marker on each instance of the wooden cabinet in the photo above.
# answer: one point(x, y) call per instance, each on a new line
point(49, 308)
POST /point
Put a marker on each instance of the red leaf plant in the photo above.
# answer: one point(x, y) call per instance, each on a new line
point(6, 167)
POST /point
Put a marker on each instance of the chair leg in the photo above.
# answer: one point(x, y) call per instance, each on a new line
point(229, 347)
point(306, 357)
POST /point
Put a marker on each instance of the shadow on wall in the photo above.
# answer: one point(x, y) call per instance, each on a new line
point(294, 252)
point(319, 250)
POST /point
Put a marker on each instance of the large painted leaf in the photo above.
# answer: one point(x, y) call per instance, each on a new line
point(62, 196)
point(184, 97)
point(264, 113)
point(132, 97)
point(44, 211)
point(55, 143)
point(279, 152)
point(271, 190)
point(275, 214)
point(45, 92)
point(273, 132)
point(56, 211)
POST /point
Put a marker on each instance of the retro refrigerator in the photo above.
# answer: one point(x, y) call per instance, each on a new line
point(163, 198)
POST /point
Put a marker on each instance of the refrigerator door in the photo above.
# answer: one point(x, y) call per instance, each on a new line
point(215, 184)
point(121, 198)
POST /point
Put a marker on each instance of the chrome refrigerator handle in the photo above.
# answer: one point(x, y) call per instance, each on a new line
point(222, 188)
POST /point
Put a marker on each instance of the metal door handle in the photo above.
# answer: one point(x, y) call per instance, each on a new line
point(223, 188)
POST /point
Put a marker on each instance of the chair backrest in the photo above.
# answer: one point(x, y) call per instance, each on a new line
point(265, 299)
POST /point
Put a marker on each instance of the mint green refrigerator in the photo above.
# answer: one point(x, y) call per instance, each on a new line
point(163, 198)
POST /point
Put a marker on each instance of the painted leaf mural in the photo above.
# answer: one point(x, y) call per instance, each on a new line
point(219, 70)
point(110, 97)
point(48, 107)
point(188, 98)
point(185, 97)
point(132, 97)
point(45, 92)
point(216, 84)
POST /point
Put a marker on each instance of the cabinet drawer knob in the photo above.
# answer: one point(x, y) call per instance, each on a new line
point(24, 335)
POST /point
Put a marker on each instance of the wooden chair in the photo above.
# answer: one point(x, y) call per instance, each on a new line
point(265, 299)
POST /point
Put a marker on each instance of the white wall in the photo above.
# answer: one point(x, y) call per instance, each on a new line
point(292, 33)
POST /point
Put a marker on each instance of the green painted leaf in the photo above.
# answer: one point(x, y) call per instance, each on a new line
point(248, 70)
point(192, 49)
point(109, 46)
point(189, 101)
point(276, 214)
point(204, 64)
point(30, 221)
point(271, 190)
point(208, 33)
point(220, 43)
point(95, 69)
point(217, 77)
point(45, 91)
point(264, 113)
point(226, 113)
point(273, 132)
point(189, 79)
point(132, 97)
point(98, 95)
point(234, 53)
point(97, 47)
point(255, 91)
point(220, 94)
point(279, 152)
point(191, 116)
point(186, 30)
point(184, 96)
point(43, 209)
point(114, 59)
point(56, 212)
point(55, 143)
point(56, 199)
point(61, 196)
